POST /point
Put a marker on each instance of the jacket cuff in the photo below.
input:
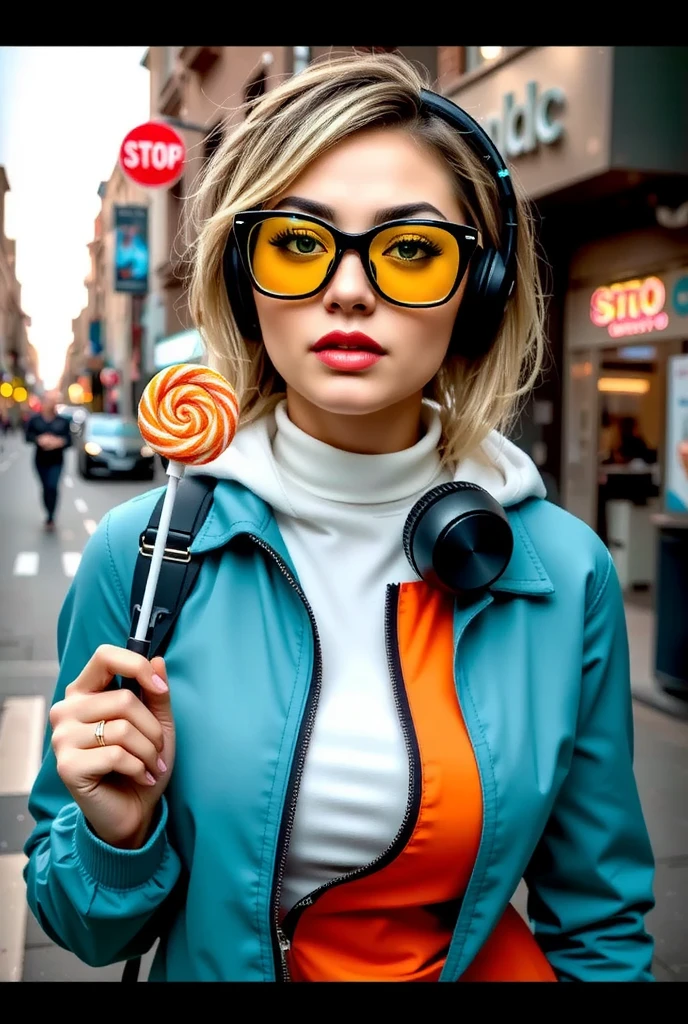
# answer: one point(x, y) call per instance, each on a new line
point(120, 869)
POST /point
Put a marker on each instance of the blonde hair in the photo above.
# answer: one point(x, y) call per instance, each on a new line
point(288, 128)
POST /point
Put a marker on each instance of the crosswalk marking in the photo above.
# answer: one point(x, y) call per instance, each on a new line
point(90, 525)
point(80, 505)
point(26, 563)
point(21, 742)
point(13, 917)
point(22, 723)
point(70, 562)
point(68, 481)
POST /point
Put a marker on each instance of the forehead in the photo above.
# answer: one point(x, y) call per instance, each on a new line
point(374, 169)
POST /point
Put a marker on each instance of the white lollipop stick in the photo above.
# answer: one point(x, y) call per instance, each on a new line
point(175, 471)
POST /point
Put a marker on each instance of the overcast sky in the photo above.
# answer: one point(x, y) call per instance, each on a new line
point(63, 114)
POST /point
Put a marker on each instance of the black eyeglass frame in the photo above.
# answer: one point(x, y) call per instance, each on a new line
point(465, 235)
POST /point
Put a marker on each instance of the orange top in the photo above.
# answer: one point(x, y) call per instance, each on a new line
point(395, 923)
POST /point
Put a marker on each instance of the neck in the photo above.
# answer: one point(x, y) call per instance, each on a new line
point(392, 429)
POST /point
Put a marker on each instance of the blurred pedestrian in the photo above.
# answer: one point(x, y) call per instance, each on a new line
point(4, 429)
point(51, 435)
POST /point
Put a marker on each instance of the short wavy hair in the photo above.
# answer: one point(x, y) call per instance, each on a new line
point(288, 128)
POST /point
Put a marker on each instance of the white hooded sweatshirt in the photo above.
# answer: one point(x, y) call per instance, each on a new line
point(342, 517)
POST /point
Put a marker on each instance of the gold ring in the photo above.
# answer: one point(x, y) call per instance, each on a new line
point(100, 729)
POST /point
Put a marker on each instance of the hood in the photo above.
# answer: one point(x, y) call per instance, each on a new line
point(498, 465)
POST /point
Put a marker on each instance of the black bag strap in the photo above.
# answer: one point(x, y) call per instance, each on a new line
point(179, 567)
point(178, 574)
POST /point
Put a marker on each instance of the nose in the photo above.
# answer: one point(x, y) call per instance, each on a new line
point(350, 291)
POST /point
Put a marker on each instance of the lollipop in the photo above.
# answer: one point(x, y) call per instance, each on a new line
point(189, 415)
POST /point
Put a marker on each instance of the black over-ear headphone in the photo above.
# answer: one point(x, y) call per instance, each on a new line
point(457, 536)
point(491, 274)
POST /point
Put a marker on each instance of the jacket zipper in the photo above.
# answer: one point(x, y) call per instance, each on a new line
point(414, 790)
point(305, 732)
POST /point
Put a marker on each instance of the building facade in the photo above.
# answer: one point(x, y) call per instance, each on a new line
point(17, 357)
point(106, 355)
point(592, 134)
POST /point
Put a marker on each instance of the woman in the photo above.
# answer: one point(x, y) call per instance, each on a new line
point(342, 771)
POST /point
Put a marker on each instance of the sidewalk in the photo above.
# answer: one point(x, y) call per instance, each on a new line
point(641, 639)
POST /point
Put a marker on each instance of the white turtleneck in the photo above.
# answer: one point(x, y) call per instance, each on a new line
point(344, 536)
point(342, 517)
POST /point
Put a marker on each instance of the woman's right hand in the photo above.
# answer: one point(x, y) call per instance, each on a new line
point(118, 785)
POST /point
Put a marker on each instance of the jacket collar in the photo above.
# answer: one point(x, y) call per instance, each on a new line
point(236, 510)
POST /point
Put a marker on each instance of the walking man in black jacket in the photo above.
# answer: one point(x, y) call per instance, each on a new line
point(51, 434)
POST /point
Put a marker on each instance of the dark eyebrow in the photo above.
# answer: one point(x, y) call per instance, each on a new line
point(389, 213)
point(409, 210)
point(309, 206)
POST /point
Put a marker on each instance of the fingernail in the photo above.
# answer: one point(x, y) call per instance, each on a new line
point(161, 765)
point(159, 684)
point(150, 779)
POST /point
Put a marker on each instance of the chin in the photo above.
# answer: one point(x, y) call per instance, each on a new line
point(352, 397)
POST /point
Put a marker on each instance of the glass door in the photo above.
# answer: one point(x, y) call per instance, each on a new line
point(579, 476)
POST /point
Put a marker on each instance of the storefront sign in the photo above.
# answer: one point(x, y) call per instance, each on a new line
point(632, 307)
point(520, 127)
point(131, 249)
point(680, 296)
point(677, 436)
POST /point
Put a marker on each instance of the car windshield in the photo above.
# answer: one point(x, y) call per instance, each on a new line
point(113, 428)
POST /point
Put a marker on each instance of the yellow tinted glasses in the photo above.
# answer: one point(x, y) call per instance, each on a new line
point(408, 262)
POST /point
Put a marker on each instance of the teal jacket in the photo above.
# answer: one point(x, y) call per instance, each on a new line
point(542, 676)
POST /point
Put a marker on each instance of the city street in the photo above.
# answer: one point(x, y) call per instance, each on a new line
point(35, 572)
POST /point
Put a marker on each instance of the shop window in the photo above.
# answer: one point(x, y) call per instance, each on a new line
point(302, 58)
point(482, 56)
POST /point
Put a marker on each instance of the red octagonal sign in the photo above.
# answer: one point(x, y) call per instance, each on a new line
point(153, 155)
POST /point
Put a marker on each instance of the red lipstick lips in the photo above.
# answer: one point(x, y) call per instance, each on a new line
point(355, 340)
point(349, 352)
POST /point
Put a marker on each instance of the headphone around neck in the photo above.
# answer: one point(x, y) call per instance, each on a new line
point(491, 274)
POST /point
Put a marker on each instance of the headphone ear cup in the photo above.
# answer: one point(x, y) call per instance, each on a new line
point(240, 292)
point(457, 538)
point(482, 307)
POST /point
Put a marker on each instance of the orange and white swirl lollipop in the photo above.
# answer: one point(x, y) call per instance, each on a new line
point(188, 414)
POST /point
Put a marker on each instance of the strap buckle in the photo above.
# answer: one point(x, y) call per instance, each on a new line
point(181, 555)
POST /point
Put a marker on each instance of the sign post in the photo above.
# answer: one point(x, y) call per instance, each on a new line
point(152, 155)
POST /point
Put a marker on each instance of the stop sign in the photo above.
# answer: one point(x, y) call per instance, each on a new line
point(153, 155)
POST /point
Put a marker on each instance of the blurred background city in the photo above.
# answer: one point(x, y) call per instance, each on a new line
point(597, 138)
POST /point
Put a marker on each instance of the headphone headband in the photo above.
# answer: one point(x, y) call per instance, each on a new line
point(482, 145)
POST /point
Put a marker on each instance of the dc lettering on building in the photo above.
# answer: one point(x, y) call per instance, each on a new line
point(521, 127)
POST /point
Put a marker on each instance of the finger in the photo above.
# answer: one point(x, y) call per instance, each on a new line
point(117, 732)
point(159, 700)
point(107, 662)
point(80, 768)
point(115, 704)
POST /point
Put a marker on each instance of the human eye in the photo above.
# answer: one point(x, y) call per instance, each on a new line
point(409, 248)
point(299, 241)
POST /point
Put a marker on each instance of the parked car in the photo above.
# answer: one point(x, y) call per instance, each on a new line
point(76, 414)
point(112, 445)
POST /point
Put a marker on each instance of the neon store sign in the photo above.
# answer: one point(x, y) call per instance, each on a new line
point(633, 307)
